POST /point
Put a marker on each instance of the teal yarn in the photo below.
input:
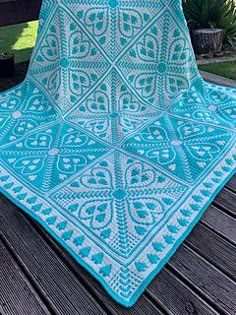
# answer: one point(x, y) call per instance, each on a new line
point(113, 142)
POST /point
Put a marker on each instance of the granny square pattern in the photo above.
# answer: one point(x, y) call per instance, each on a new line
point(113, 142)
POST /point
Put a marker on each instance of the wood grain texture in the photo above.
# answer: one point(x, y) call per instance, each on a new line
point(214, 249)
point(176, 297)
point(210, 282)
point(65, 291)
point(199, 279)
point(166, 290)
point(16, 293)
point(221, 223)
point(232, 184)
point(226, 201)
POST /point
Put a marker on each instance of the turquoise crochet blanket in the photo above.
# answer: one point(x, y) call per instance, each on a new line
point(113, 142)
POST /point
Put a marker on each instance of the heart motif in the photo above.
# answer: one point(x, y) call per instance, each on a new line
point(139, 175)
point(54, 82)
point(74, 139)
point(189, 130)
point(70, 164)
point(230, 112)
point(130, 124)
point(203, 152)
point(10, 103)
point(29, 165)
point(154, 134)
point(205, 116)
point(130, 22)
point(99, 103)
point(50, 50)
point(218, 97)
point(146, 84)
point(79, 81)
point(24, 126)
point(39, 142)
point(148, 48)
point(98, 178)
point(172, 167)
point(96, 20)
point(38, 104)
point(97, 213)
point(127, 104)
point(98, 126)
point(178, 53)
point(79, 47)
point(175, 84)
point(162, 156)
point(145, 210)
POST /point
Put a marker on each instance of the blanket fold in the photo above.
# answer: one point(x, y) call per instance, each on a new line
point(113, 142)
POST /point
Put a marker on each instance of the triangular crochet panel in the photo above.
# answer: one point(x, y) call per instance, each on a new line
point(113, 142)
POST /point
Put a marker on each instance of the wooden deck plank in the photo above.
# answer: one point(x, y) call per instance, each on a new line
point(65, 293)
point(214, 249)
point(231, 185)
point(22, 224)
point(176, 297)
point(16, 294)
point(176, 300)
point(226, 201)
point(199, 279)
point(221, 223)
point(213, 285)
point(164, 298)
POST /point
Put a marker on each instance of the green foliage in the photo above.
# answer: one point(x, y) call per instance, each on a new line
point(213, 14)
point(227, 21)
point(202, 13)
point(224, 69)
point(18, 39)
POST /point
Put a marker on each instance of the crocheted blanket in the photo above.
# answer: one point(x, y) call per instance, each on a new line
point(113, 142)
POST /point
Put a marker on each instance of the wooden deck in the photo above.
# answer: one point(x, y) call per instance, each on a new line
point(38, 277)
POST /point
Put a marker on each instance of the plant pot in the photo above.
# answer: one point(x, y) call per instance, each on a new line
point(7, 64)
point(208, 41)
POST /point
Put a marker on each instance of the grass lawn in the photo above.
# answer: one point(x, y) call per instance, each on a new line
point(225, 69)
point(19, 39)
